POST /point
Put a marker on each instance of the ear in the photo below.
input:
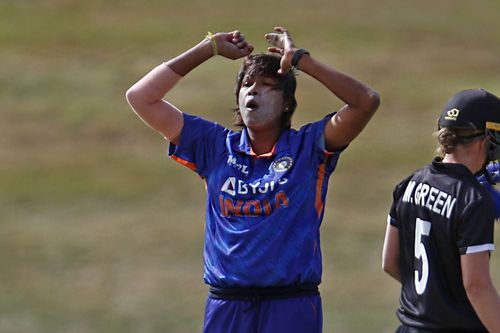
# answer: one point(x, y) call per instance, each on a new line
point(484, 143)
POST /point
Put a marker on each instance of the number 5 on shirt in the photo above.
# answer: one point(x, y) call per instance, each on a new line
point(422, 228)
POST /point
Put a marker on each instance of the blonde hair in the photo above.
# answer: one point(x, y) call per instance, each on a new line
point(449, 138)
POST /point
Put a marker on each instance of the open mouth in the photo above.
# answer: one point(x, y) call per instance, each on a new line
point(252, 105)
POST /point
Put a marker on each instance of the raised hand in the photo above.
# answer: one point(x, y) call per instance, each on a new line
point(283, 45)
point(232, 45)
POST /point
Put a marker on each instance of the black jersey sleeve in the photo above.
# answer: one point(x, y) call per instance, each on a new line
point(475, 232)
point(397, 194)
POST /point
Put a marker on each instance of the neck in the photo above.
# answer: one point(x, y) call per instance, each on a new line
point(472, 159)
point(263, 141)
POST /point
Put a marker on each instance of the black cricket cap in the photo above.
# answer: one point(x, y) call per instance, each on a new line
point(470, 108)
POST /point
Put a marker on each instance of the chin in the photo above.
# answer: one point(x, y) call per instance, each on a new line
point(253, 126)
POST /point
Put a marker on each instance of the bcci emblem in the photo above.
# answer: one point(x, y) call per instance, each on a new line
point(452, 114)
point(282, 164)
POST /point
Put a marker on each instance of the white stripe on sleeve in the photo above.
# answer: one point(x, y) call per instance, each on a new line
point(480, 248)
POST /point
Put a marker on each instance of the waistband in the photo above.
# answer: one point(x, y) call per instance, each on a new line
point(253, 294)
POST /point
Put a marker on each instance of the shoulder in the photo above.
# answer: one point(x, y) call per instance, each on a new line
point(198, 132)
point(318, 125)
point(416, 174)
point(475, 194)
point(199, 128)
point(197, 121)
point(311, 134)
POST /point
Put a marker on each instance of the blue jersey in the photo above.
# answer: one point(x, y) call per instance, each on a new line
point(263, 212)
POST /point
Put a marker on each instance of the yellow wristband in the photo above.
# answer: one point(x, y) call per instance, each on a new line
point(212, 40)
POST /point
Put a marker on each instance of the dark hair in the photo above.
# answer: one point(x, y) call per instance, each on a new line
point(268, 64)
point(449, 138)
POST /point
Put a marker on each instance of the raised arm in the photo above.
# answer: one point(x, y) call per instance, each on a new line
point(146, 96)
point(480, 289)
point(361, 101)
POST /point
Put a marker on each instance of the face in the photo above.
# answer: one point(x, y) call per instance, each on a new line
point(260, 102)
point(493, 144)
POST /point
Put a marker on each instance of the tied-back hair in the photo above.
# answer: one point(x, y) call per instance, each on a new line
point(449, 138)
point(267, 65)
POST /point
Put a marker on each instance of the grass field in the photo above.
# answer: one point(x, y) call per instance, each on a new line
point(101, 232)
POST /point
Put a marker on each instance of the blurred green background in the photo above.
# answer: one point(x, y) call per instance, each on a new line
point(101, 232)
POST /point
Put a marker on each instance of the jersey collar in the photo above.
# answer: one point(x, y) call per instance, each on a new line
point(455, 168)
point(245, 147)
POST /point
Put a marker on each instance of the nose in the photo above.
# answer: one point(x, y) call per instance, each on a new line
point(252, 91)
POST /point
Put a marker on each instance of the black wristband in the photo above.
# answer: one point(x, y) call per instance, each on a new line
point(297, 55)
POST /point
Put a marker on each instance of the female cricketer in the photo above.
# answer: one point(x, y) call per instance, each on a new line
point(266, 183)
point(440, 227)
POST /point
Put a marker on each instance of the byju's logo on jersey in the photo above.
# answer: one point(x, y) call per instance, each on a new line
point(282, 164)
point(452, 114)
point(235, 186)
